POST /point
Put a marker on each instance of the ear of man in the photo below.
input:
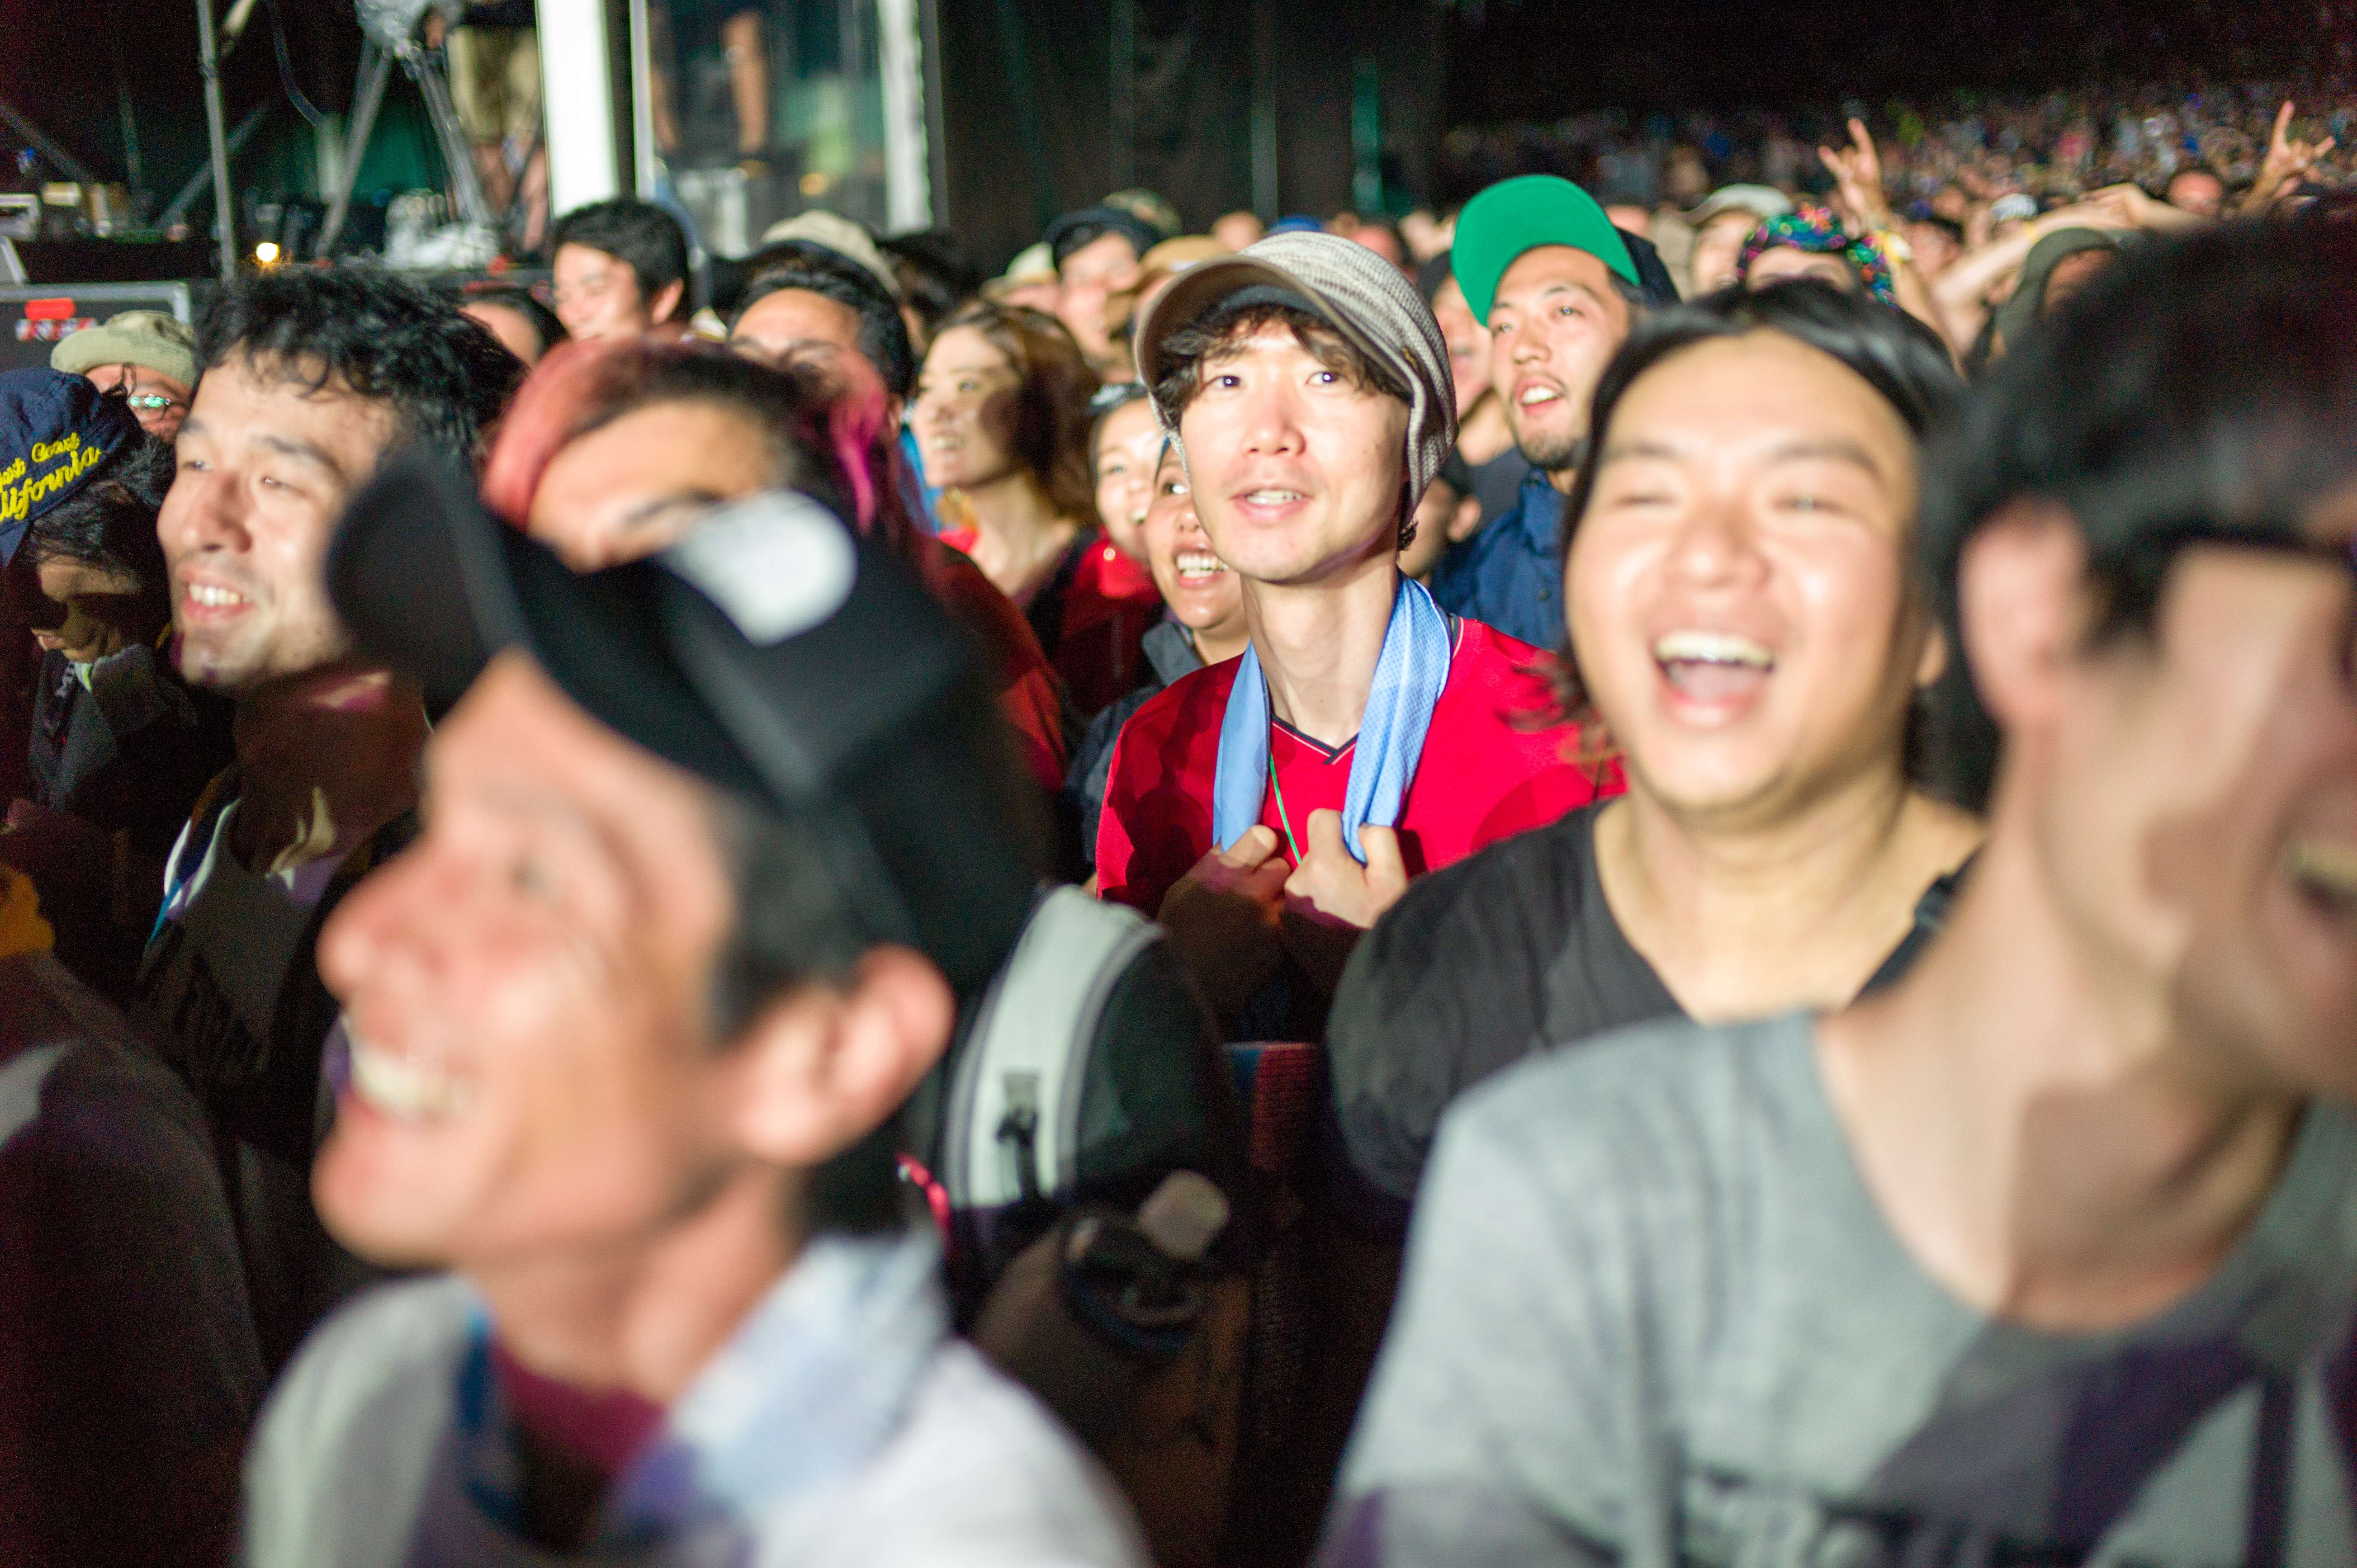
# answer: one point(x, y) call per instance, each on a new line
point(822, 1066)
point(2021, 594)
point(665, 304)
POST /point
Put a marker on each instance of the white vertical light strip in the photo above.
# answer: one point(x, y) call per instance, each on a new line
point(642, 102)
point(908, 172)
point(578, 104)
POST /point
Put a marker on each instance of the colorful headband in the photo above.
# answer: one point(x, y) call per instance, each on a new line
point(1819, 232)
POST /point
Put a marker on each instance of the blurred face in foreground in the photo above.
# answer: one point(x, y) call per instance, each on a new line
point(1554, 323)
point(2192, 793)
point(1738, 585)
point(636, 485)
point(527, 991)
point(1297, 469)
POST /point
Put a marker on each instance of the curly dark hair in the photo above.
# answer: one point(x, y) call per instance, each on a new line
point(445, 377)
point(1051, 420)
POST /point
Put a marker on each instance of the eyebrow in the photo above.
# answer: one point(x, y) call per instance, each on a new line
point(302, 451)
point(1564, 286)
point(1832, 448)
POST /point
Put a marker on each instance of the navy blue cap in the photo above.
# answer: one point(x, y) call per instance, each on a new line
point(55, 431)
point(771, 652)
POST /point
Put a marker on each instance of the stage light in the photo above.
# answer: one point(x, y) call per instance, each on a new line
point(266, 251)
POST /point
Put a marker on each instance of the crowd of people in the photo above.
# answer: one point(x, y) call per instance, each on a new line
point(1626, 875)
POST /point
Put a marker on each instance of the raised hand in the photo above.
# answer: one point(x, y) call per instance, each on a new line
point(2288, 161)
point(1857, 171)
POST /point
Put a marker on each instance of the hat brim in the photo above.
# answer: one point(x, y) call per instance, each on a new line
point(78, 353)
point(431, 585)
point(1519, 215)
point(1140, 234)
point(1199, 291)
point(882, 766)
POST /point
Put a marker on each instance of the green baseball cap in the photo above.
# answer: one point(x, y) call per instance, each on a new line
point(1522, 214)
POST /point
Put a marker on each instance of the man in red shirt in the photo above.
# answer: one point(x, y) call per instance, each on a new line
point(1268, 809)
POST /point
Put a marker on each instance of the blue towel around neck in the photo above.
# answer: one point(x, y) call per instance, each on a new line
point(1409, 675)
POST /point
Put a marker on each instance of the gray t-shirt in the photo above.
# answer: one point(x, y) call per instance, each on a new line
point(1652, 1314)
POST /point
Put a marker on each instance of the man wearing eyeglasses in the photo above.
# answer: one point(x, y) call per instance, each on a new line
point(149, 356)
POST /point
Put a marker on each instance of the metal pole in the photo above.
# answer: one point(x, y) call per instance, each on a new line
point(73, 167)
point(1123, 166)
point(225, 212)
point(1264, 111)
point(178, 206)
point(368, 95)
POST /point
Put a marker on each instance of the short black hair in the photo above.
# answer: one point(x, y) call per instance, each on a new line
point(933, 272)
point(2201, 388)
point(1894, 354)
point(109, 520)
point(793, 927)
point(514, 296)
point(445, 377)
point(638, 234)
point(1185, 351)
point(883, 335)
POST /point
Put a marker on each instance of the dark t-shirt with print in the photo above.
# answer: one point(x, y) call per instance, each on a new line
point(1483, 963)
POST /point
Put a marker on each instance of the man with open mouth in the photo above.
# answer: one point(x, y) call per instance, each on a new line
point(1559, 288)
point(310, 378)
point(2046, 1252)
point(712, 843)
point(1268, 809)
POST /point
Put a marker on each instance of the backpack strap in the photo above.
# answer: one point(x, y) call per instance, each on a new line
point(1015, 1105)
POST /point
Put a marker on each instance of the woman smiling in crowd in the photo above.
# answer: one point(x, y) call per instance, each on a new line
point(1002, 419)
point(1204, 624)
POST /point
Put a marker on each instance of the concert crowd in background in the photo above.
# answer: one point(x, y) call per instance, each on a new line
point(1658, 865)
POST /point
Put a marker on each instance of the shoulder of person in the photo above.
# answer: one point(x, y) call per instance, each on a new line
point(1494, 655)
point(1446, 923)
point(979, 1474)
point(380, 1367)
point(1191, 706)
point(348, 1439)
point(1653, 1110)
